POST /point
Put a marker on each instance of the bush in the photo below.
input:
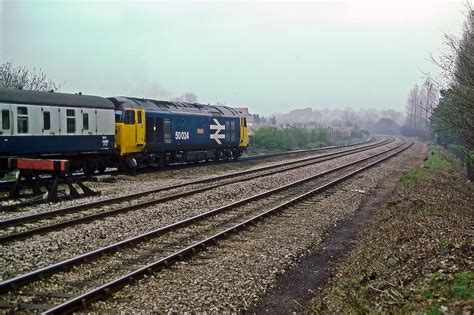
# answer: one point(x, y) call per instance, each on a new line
point(274, 139)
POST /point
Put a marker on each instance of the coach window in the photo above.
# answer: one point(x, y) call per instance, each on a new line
point(85, 121)
point(22, 114)
point(5, 119)
point(46, 121)
point(71, 121)
point(129, 118)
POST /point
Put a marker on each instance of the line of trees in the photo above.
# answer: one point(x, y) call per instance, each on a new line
point(420, 104)
point(452, 120)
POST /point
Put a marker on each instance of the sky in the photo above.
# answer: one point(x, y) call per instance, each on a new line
point(269, 56)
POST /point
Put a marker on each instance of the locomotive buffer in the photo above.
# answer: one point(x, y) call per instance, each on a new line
point(32, 170)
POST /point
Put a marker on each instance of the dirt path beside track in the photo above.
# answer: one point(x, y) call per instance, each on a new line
point(299, 285)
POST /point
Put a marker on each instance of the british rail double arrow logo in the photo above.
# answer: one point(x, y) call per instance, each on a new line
point(218, 128)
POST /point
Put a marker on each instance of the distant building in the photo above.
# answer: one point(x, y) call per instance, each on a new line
point(337, 133)
point(246, 114)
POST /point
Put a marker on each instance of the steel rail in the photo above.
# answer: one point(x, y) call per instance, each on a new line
point(137, 195)
point(5, 185)
point(31, 276)
point(271, 155)
point(105, 290)
point(25, 219)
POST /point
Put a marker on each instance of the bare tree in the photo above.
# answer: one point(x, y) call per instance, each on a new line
point(349, 117)
point(412, 107)
point(420, 104)
point(18, 77)
point(430, 98)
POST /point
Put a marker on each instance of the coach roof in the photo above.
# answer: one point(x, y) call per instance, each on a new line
point(18, 96)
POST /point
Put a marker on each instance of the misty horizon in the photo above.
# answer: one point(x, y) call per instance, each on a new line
point(269, 57)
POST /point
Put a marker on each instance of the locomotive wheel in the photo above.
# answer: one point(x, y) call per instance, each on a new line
point(101, 169)
point(235, 155)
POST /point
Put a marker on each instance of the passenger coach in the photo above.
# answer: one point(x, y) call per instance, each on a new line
point(56, 125)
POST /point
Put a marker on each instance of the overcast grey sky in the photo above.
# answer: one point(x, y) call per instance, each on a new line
point(269, 56)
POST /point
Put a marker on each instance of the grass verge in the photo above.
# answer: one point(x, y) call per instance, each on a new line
point(417, 255)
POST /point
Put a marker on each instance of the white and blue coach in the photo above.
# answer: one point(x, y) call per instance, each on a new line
point(76, 127)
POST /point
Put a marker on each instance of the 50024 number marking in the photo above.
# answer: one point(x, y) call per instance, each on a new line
point(181, 135)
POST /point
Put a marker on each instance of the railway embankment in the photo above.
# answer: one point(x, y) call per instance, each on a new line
point(416, 255)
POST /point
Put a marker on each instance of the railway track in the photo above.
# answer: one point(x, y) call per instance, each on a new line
point(80, 280)
point(6, 185)
point(25, 226)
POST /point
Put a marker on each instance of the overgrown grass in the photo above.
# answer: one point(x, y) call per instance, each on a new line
point(440, 286)
point(433, 165)
point(415, 257)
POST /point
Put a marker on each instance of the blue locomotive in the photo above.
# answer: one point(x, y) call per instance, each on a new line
point(150, 131)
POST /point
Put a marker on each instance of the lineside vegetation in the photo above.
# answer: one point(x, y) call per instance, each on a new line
point(417, 254)
point(275, 139)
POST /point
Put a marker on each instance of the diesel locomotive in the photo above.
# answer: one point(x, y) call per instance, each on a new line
point(94, 133)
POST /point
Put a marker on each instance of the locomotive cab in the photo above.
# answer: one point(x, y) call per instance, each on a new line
point(129, 130)
point(244, 138)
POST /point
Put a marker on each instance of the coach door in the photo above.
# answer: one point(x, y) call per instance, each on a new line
point(6, 120)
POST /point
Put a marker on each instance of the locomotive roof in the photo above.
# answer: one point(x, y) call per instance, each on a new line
point(173, 107)
point(52, 98)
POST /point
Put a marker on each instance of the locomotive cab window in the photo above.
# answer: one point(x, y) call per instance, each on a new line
point(22, 117)
point(118, 116)
point(5, 119)
point(71, 120)
point(129, 117)
point(85, 121)
point(46, 120)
